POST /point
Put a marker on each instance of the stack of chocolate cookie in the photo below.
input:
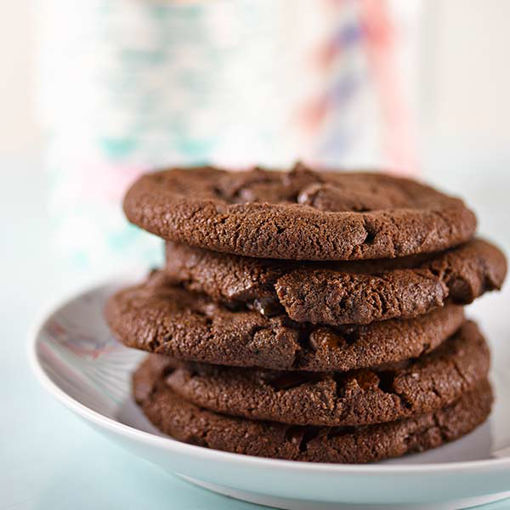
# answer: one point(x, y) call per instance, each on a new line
point(305, 315)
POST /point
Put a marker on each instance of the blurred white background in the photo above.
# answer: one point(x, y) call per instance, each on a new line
point(465, 77)
point(463, 82)
point(18, 127)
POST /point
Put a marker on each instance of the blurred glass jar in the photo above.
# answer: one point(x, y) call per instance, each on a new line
point(129, 85)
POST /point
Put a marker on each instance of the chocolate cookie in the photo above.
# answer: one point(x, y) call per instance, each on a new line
point(160, 318)
point(339, 293)
point(300, 215)
point(189, 423)
point(354, 398)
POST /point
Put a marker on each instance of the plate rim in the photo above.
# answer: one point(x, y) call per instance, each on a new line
point(170, 444)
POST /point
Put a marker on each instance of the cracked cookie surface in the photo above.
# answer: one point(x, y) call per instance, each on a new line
point(300, 215)
point(338, 293)
point(356, 398)
point(189, 423)
point(159, 317)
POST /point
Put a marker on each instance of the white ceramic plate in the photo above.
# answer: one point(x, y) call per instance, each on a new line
point(78, 361)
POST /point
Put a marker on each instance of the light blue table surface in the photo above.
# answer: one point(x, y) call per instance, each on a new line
point(49, 459)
